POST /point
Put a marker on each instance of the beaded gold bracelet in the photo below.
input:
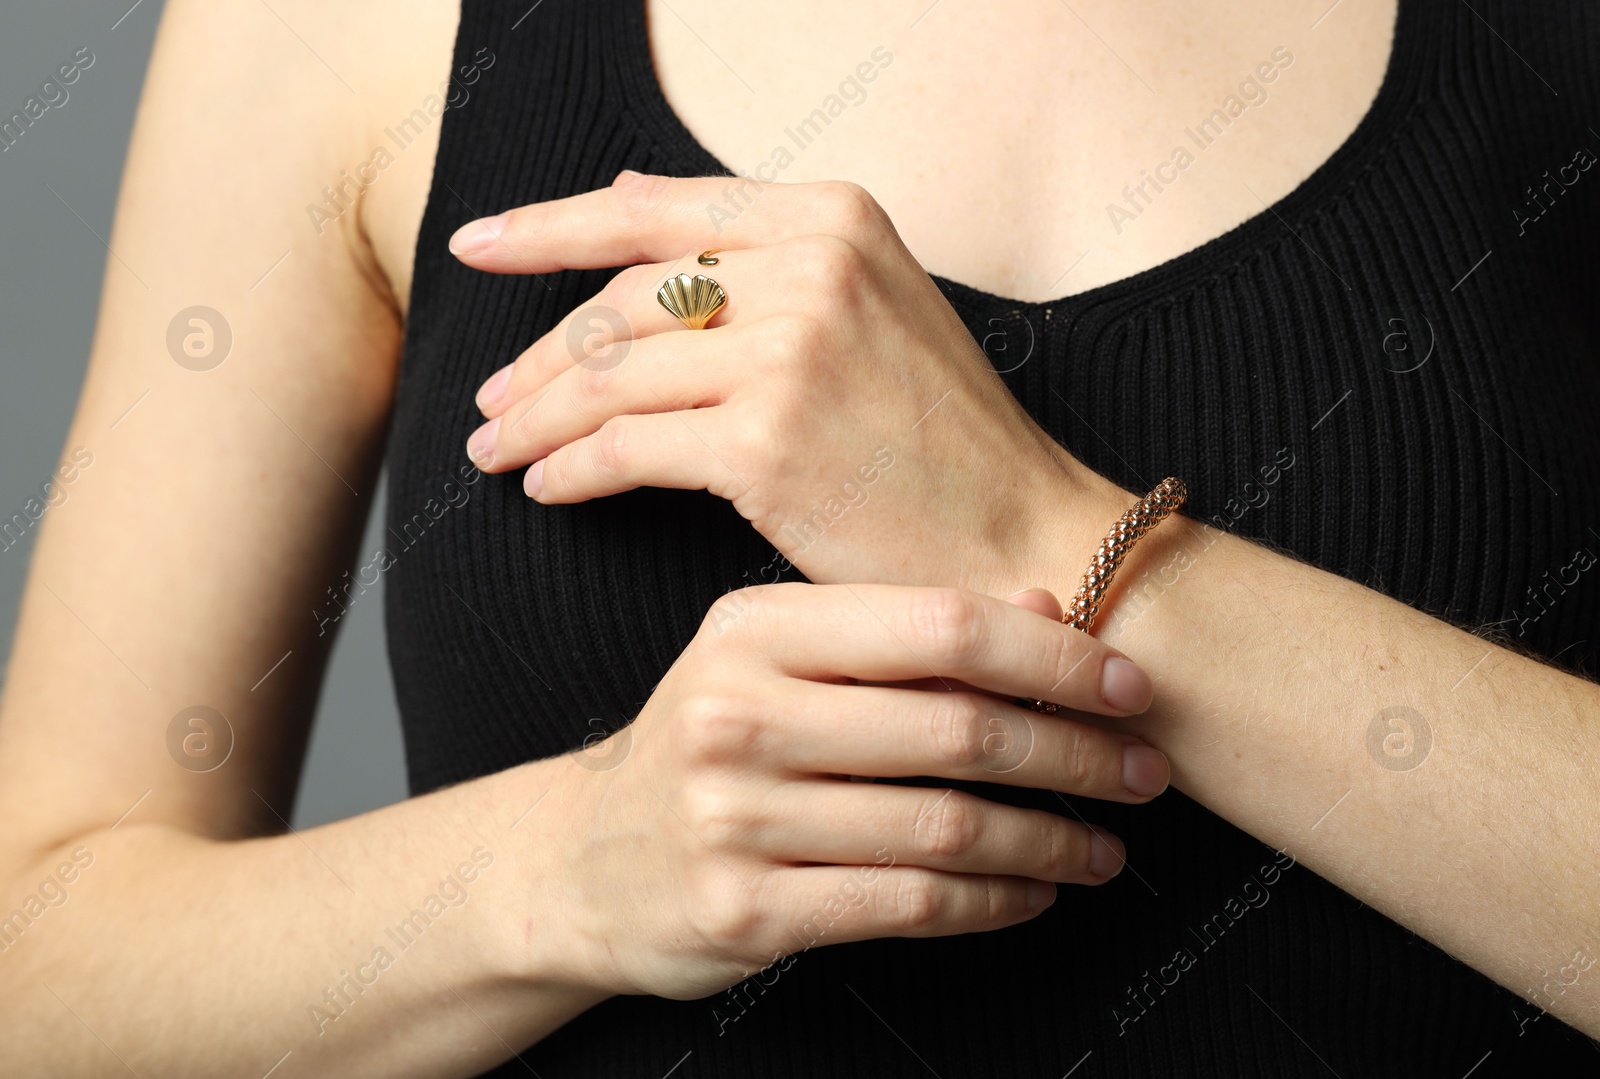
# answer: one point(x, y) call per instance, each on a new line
point(1148, 512)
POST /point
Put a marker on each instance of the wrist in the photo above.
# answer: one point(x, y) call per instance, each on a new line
point(1076, 518)
point(1073, 509)
point(543, 942)
point(1153, 566)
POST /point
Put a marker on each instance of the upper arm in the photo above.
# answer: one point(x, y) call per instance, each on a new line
point(207, 510)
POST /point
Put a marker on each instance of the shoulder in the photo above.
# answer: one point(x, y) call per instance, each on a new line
point(296, 99)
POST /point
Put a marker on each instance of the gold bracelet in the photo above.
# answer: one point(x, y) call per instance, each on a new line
point(1148, 512)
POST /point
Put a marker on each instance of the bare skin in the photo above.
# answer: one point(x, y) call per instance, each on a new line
point(1037, 185)
point(182, 570)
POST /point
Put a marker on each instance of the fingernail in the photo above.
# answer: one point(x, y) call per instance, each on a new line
point(495, 388)
point(1124, 685)
point(1107, 856)
point(480, 447)
point(533, 482)
point(475, 236)
point(1144, 771)
point(1041, 893)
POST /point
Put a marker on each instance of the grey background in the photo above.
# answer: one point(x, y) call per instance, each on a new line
point(53, 266)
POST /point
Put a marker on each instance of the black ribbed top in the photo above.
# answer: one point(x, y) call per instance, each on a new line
point(1464, 486)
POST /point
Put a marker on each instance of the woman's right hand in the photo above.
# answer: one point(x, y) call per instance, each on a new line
point(726, 832)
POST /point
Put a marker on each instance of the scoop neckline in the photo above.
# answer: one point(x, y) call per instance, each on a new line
point(646, 101)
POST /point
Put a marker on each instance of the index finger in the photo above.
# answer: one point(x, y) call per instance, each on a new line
point(891, 633)
point(642, 218)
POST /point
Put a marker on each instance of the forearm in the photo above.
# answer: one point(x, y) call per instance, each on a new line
point(1449, 783)
point(412, 941)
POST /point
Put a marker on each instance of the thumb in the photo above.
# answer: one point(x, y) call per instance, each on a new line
point(1039, 601)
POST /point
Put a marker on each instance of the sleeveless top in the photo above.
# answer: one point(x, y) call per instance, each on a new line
point(1415, 328)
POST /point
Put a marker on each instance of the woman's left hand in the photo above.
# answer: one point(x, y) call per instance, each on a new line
point(836, 400)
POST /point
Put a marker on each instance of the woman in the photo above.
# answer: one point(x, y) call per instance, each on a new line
point(1329, 267)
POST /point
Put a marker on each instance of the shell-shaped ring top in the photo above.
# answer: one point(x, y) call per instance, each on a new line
point(692, 299)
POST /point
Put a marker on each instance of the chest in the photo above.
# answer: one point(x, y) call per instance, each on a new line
point(1354, 390)
point(1031, 150)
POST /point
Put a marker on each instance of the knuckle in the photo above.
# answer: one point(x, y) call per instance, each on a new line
point(833, 260)
point(767, 437)
point(742, 608)
point(729, 918)
point(850, 208)
point(717, 817)
point(558, 472)
point(524, 223)
point(916, 903)
point(994, 900)
point(625, 286)
point(959, 730)
point(946, 622)
point(1003, 898)
point(1069, 652)
point(727, 612)
point(716, 728)
point(723, 826)
point(519, 421)
point(590, 384)
point(1062, 848)
point(611, 449)
point(948, 828)
point(756, 433)
point(1080, 761)
point(793, 337)
point(525, 364)
point(639, 197)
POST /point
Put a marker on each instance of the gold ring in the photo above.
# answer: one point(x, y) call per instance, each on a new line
point(705, 258)
point(694, 300)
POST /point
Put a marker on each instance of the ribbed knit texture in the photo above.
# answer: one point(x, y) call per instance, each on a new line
point(1455, 487)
